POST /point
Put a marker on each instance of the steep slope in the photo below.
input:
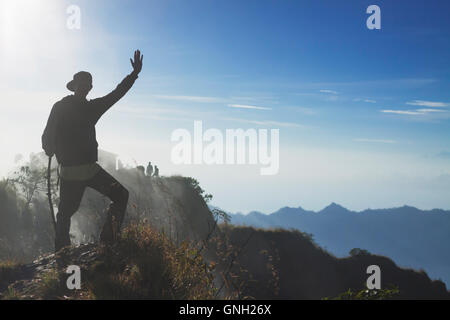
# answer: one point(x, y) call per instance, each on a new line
point(413, 238)
point(293, 267)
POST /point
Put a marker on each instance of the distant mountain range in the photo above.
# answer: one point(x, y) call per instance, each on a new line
point(411, 237)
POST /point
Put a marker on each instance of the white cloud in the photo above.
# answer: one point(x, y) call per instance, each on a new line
point(429, 104)
point(328, 91)
point(406, 112)
point(430, 110)
point(416, 112)
point(365, 100)
point(248, 107)
point(375, 140)
point(266, 122)
point(190, 98)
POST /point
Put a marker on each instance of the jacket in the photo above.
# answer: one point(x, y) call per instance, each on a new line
point(70, 130)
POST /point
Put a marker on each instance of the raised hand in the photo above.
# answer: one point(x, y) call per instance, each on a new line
point(137, 63)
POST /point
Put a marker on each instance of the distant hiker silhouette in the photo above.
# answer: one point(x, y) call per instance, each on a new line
point(70, 135)
point(149, 169)
point(156, 174)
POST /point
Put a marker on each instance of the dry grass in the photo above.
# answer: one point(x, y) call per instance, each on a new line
point(145, 264)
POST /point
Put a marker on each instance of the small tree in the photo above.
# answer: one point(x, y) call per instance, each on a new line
point(358, 252)
point(196, 186)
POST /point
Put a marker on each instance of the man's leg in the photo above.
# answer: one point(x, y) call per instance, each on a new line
point(70, 195)
point(104, 183)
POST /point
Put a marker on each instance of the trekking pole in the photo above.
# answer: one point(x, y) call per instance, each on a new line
point(49, 191)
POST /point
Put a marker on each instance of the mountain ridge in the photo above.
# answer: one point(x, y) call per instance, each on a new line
point(333, 204)
point(413, 237)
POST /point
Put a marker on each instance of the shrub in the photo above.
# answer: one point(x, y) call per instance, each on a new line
point(358, 252)
point(366, 294)
point(145, 264)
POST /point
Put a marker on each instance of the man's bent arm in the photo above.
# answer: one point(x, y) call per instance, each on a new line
point(102, 104)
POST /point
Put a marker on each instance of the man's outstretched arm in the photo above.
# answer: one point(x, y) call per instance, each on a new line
point(102, 104)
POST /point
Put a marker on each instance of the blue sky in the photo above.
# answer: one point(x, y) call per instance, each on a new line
point(363, 114)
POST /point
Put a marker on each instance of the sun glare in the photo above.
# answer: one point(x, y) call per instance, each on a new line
point(29, 28)
point(18, 19)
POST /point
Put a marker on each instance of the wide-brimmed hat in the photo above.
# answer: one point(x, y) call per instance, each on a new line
point(81, 76)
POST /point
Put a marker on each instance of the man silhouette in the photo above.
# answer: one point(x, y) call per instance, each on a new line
point(70, 135)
